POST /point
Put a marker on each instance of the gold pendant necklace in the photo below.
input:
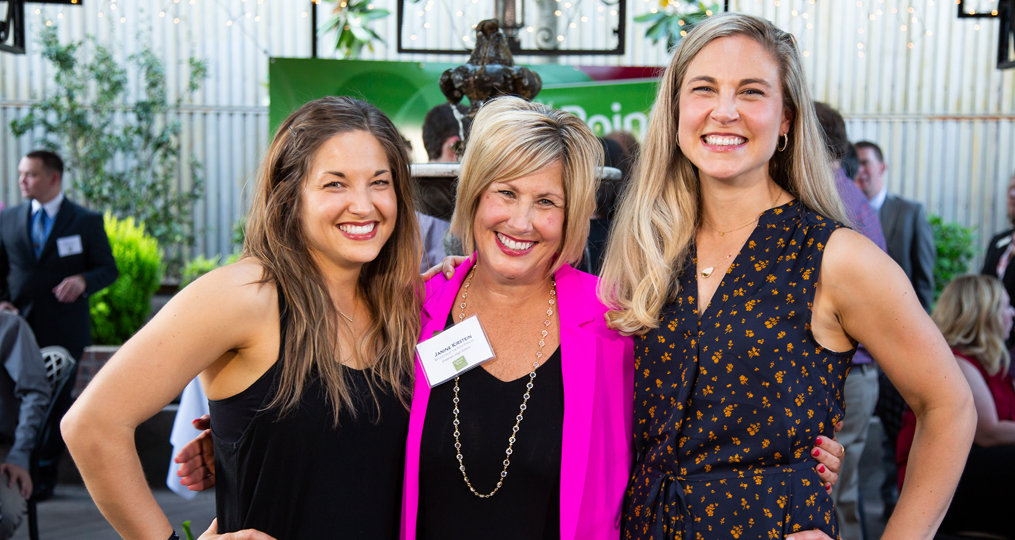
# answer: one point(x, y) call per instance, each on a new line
point(705, 272)
point(525, 397)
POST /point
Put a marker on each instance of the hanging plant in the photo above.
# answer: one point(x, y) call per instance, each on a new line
point(351, 21)
point(674, 18)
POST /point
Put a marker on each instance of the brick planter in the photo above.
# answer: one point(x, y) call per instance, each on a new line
point(90, 363)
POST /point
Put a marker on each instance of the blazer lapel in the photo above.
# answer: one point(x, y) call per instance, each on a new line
point(24, 231)
point(63, 219)
point(890, 217)
point(578, 367)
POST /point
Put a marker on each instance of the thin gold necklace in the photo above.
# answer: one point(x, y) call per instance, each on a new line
point(525, 397)
point(706, 272)
point(724, 233)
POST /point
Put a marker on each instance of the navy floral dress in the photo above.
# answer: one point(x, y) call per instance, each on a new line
point(727, 408)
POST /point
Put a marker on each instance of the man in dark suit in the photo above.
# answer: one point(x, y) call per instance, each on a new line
point(911, 244)
point(907, 232)
point(53, 254)
point(1000, 252)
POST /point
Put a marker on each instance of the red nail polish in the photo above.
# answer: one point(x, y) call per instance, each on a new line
point(828, 487)
point(816, 452)
point(821, 468)
point(817, 442)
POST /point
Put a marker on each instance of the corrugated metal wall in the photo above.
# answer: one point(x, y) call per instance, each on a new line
point(908, 75)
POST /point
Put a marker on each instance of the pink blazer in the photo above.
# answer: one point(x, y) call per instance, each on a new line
point(597, 365)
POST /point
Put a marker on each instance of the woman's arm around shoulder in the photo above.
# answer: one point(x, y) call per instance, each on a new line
point(990, 430)
point(216, 321)
point(862, 295)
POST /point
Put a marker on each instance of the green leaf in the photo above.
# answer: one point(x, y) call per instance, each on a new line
point(374, 14)
point(650, 17)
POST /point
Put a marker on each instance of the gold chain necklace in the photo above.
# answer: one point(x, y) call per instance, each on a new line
point(525, 397)
point(705, 272)
point(724, 233)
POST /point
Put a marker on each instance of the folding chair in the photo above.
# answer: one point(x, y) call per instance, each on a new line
point(60, 370)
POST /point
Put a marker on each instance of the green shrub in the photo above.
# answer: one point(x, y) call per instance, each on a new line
point(955, 250)
point(197, 267)
point(120, 309)
point(201, 265)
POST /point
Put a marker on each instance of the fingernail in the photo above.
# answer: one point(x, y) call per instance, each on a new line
point(821, 468)
point(817, 442)
point(816, 452)
point(828, 487)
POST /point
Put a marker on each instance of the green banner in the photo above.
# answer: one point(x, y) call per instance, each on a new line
point(405, 91)
point(605, 106)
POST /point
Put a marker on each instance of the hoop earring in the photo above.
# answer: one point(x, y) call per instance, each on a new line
point(785, 141)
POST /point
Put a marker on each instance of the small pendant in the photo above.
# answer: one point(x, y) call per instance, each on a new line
point(722, 233)
point(707, 272)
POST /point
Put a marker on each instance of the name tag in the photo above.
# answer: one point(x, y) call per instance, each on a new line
point(69, 245)
point(454, 351)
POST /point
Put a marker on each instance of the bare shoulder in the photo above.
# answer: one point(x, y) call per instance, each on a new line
point(850, 256)
point(236, 291)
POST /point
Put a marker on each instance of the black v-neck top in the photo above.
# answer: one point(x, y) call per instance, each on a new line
point(299, 476)
point(528, 504)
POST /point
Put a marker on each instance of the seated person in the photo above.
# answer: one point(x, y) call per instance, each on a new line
point(24, 397)
point(975, 316)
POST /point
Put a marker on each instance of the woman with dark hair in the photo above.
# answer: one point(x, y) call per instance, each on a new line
point(305, 348)
point(731, 259)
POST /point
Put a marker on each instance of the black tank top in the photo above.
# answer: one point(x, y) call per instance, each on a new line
point(298, 476)
point(528, 504)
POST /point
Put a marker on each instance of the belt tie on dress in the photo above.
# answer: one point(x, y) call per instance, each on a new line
point(668, 491)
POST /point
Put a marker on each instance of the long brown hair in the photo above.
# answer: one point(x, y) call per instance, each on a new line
point(389, 284)
point(660, 211)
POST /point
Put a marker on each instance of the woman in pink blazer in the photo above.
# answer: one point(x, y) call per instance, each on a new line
point(525, 195)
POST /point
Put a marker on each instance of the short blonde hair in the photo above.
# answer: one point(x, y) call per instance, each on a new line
point(512, 138)
point(970, 316)
point(660, 211)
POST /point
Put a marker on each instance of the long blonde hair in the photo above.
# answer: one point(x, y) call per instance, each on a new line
point(970, 315)
point(389, 284)
point(659, 213)
point(511, 138)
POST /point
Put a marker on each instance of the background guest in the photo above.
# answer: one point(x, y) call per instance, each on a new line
point(24, 396)
point(975, 315)
point(1000, 251)
point(607, 195)
point(53, 254)
point(436, 196)
point(861, 389)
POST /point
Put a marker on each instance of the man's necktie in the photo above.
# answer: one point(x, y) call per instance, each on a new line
point(39, 232)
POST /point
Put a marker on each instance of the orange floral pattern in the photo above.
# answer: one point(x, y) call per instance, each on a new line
point(723, 433)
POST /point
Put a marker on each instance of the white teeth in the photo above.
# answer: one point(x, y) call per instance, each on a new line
point(511, 244)
point(358, 229)
point(724, 140)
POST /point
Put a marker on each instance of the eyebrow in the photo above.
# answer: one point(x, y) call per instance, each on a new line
point(743, 82)
point(342, 174)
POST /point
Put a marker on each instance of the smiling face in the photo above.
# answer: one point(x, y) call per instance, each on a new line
point(519, 225)
point(731, 110)
point(349, 201)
